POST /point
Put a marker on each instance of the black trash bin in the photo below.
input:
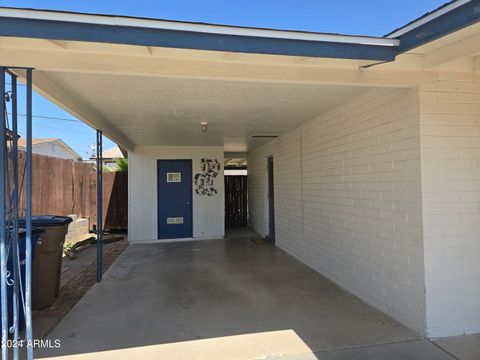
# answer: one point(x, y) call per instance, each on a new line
point(47, 267)
point(36, 234)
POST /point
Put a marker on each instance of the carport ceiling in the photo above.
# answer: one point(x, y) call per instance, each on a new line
point(168, 111)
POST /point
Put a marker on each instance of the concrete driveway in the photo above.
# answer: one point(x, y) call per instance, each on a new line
point(226, 299)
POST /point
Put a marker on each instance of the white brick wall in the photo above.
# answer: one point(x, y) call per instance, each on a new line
point(257, 188)
point(289, 210)
point(348, 199)
point(450, 148)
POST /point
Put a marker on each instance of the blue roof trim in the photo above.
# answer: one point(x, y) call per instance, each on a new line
point(62, 30)
point(106, 15)
point(457, 19)
point(420, 17)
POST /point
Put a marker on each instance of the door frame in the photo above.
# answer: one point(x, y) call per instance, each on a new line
point(190, 161)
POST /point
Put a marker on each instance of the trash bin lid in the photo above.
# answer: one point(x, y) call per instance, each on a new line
point(47, 220)
point(22, 232)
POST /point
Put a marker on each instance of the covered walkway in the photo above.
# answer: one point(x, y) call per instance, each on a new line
point(226, 299)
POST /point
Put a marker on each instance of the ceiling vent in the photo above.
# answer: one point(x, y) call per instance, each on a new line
point(264, 136)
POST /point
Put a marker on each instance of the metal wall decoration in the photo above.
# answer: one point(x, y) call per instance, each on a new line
point(204, 180)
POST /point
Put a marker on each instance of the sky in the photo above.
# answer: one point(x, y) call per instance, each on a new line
point(356, 17)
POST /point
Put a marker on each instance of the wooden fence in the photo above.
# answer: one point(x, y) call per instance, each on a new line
point(63, 187)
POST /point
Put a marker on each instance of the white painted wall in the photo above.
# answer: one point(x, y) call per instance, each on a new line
point(208, 211)
point(257, 188)
point(54, 149)
point(348, 199)
point(450, 149)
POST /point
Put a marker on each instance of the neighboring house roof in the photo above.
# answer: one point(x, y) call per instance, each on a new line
point(23, 142)
point(38, 141)
point(112, 153)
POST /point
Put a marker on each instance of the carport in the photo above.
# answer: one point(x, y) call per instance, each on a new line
point(362, 160)
point(226, 299)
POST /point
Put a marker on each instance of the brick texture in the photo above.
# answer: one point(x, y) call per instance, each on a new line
point(348, 199)
point(450, 156)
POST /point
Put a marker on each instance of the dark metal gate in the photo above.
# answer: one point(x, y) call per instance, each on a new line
point(16, 245)
point(236, 201)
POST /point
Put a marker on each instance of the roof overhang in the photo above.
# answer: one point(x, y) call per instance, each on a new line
point(230, 75)
point(447, 19)
point(54, 25)
point(122, 89)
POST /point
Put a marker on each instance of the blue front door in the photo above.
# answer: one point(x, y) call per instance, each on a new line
point(174, 199)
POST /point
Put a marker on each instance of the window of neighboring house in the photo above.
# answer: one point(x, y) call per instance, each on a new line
point(110, 164)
